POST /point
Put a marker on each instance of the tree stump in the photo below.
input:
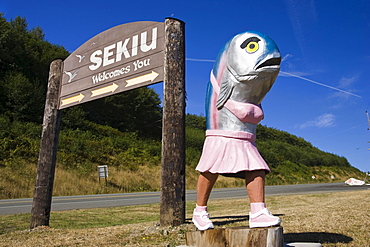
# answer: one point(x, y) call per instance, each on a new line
point(236, 237)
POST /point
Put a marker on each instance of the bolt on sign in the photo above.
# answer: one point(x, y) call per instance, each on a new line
point(122, 58)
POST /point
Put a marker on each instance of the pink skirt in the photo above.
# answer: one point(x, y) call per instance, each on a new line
point(229, 153)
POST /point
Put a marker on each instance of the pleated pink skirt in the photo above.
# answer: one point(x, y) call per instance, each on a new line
point(230, 152)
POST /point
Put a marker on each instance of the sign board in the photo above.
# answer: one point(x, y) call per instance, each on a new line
point(122, 58)
point(103, 171)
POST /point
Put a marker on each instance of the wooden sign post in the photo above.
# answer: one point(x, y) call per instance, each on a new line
point(41, 206)
point(122, 58)
point(172, 208)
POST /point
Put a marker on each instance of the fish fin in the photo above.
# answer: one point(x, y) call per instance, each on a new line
point(226, 89)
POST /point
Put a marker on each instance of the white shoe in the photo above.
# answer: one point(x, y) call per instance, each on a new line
point(201, 220)
point(263, 218)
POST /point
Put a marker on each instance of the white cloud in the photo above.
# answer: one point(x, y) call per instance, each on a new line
point(297, 74)
point(200, 60)
point(346, 82)
point(318, 83)
point(301, 14)
point(340, 99)
point(287, 56)
point(323, 121)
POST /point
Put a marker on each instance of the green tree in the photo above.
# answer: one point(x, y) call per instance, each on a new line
point(194, 121)
point(23, 98)
point(24, 67)
point(137, 110)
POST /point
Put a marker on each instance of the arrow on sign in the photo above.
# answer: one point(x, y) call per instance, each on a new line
point(143, 78)
point(103, 90)
point(73, 99)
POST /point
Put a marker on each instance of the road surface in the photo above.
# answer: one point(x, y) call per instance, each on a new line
point(18, 206)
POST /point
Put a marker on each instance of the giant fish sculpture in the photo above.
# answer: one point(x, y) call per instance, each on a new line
point(243, 73)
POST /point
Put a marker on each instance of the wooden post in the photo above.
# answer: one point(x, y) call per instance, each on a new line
point(40, 213)
point(172, 208)
point(236, 236)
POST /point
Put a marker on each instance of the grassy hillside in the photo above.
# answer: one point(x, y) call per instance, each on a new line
point(134, 162)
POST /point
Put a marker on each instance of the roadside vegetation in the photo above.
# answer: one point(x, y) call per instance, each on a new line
point(134, 162)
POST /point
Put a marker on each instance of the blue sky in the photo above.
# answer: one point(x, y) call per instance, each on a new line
point(322, 92)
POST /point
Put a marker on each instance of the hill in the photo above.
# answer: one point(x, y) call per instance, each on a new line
point(134, 162)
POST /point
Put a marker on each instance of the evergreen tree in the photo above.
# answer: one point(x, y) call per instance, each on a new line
point(137, 110)
point(25, 57)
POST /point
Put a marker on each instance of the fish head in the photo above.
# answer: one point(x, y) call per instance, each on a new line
point(244, 71)
point(251, 53)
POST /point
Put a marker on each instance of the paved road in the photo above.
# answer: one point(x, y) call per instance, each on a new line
point(17, 206)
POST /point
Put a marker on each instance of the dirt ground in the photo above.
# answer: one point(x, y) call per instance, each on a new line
point(333, 219)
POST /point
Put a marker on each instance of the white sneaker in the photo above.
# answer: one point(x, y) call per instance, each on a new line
point(263, 218)
point(201, 220)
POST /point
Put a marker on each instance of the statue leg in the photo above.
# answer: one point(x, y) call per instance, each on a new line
point(205, 184)
point(259, 215)
point(200, 218)
point(255, 183)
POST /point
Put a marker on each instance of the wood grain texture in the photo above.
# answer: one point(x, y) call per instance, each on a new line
point(236, 237)
point(172, 209)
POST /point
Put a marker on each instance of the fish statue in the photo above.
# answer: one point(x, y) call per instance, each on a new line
point(243, 73)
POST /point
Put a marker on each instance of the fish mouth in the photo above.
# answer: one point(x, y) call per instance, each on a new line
point(270, 63)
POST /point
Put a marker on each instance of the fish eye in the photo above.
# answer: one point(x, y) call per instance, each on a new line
point(251, 44)
point(252, 47)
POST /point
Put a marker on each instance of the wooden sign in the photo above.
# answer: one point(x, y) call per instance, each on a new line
point(122, 58)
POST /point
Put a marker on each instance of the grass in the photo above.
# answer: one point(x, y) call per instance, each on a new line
point(18, 180)
point(333, 219)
